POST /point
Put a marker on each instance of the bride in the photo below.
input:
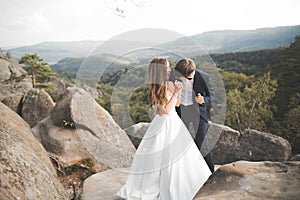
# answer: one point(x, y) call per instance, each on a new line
point(167, 164)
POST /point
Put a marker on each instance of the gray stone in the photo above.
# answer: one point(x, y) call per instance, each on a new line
point(8, 67)
point(36, 105)
point(26, 170)
point(60, 85)
point(20, 85)
point(136, 132)
point(295, 158)
point(249, 145)
point(253, 180)
point(78, 127)
point(224, 142)
point(228, 145)
point(64, 143)
point(14, 102)
point(103, 185)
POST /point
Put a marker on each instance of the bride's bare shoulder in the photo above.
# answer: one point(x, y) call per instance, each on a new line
point(170, 87)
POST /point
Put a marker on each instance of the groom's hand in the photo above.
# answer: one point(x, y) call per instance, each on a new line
point(199, 99)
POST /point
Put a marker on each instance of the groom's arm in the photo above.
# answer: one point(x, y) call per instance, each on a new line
point(209, 91)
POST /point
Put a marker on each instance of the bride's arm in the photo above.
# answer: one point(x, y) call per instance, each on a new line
point(178, 98)
point(174, 90)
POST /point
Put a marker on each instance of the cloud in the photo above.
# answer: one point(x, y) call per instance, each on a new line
point(23, 15)
point(32, 21)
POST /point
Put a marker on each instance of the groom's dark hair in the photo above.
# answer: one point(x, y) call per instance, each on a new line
point(185, 67)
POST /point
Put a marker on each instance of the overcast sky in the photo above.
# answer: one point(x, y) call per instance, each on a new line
point(26, 22)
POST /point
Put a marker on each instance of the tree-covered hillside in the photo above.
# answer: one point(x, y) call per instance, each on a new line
point(223, 41)
point(282, 63)
point(249, 62)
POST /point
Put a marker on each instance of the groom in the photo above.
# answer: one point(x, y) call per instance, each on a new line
point(195, 95)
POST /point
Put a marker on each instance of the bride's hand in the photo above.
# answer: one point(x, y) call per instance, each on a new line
point(178, 86)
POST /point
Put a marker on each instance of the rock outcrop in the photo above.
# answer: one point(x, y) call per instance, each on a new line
point(136, 132)
point(295, 158)
point(79, 128)
point(26, 170)
point(249, 145)
point(36, 105)
point(229, 145)
point(238, 180)
point(60, 85)
point(253, 180)
point(14, 102)
point(8, 67)
point(103, 185)
point(13, 78)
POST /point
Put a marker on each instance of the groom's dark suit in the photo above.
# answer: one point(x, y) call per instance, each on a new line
point(197, 114)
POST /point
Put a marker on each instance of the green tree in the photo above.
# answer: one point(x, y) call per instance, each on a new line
point(292, 122)
point(139, 105)
point(235, 109)
point(105, 100)
point(234, 80)
point(39, 70)
point(251, 107)
point(8, 55)
point(287, 72)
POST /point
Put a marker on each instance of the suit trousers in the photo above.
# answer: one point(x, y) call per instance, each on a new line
point(197, 126)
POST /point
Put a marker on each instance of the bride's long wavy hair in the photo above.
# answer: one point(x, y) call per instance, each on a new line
point(157, 78)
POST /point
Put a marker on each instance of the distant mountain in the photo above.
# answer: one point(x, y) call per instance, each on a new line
point(236, 40)
point(92, 66)
point(213, 42)
point(55, 51)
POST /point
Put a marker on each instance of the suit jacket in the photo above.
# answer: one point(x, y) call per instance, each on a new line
point(202, 85)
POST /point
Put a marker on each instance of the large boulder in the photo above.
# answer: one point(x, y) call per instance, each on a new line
point(64, 144)
point(103, 185)
point(295, 158)
point(253, 180)
point(60, 85)
point(79, 128)
point(95, 92)
point(14, 102)
point(8, 67)
point(25, 168)
point(249, 145)
point(229, 145)
point(136, 132)
point(13, 78)
point(36, 105)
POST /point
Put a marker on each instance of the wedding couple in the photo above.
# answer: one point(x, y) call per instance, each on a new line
point(168, 164)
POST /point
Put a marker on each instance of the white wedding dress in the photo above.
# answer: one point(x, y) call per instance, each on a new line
point(167, 164)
